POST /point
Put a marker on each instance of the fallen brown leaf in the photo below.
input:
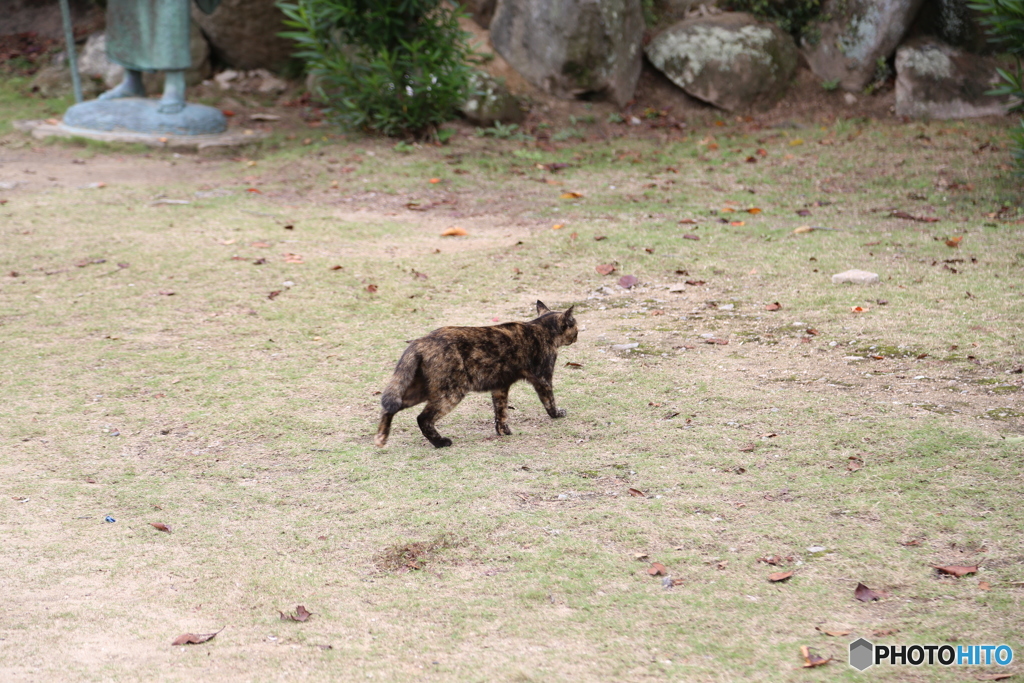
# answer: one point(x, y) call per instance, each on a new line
point(691, 237)
point(274, 294)
point(688, 221)
point(954, 242)
point(301, 614)
point(811, 659)
point(993, 677)
point(746, 448)
point(572, 195)
point(570, 364)
point(194, 638)
point(627, 281)
point(834, 634)
point(160, 526)
point(657, 569)
point(882, 632)
point(605, 269)
point(895, 213)
point(454, 232)
point(779, 576)
point(637, 492)
point(716, 340)
point(984, 585)
point(854, 463)
point(371, 288)
point(865, 594)
point(956, 570)
point(773, 307)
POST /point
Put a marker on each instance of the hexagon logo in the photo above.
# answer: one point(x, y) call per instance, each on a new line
point(861, 654)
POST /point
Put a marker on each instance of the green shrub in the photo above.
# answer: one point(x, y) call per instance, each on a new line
point(398, 66)
point(1004, 21)
point(792, 16)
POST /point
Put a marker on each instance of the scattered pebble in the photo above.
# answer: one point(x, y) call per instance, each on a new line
point(856, 277)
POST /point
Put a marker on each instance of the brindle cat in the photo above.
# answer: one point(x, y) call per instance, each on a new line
point(442, 367)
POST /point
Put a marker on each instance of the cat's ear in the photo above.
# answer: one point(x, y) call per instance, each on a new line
point(541, 308)
point(568, 312)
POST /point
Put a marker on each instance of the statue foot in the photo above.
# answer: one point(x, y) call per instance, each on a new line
point(171, 106)
point(129, 87)
point(173, 100)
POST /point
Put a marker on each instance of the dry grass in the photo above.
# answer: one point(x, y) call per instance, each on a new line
point(174, 390)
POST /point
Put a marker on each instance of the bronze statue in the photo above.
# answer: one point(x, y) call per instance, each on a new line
point(151, 35)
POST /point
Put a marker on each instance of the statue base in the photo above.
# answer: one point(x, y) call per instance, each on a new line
point(142, 115)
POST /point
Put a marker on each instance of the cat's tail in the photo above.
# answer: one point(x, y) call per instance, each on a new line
point(392, 399)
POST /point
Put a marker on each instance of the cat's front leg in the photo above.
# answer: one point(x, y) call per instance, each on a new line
point(500, 399)
point(547, 396)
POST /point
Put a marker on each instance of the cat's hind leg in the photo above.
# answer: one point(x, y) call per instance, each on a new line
point(436, 409)
point(500, 399)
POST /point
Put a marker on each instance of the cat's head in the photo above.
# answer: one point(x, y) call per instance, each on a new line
point(563, 324)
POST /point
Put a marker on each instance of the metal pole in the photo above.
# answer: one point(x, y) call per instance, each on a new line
point(69, 38)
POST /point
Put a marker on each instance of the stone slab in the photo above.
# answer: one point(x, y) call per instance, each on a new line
point(45, 129)
point(856, 277)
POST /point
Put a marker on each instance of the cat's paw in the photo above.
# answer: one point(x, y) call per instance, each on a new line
point(560, 413)
point(503, 429)
point(443, 442)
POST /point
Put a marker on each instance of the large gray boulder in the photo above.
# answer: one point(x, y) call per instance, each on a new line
point(573, 48)
point(847, 45)
point(938, 81)
point(244, 34)
point(955, 23)
point(730, 60)
point(93, 61)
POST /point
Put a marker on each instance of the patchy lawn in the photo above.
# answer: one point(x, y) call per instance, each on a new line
point(194, 341)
